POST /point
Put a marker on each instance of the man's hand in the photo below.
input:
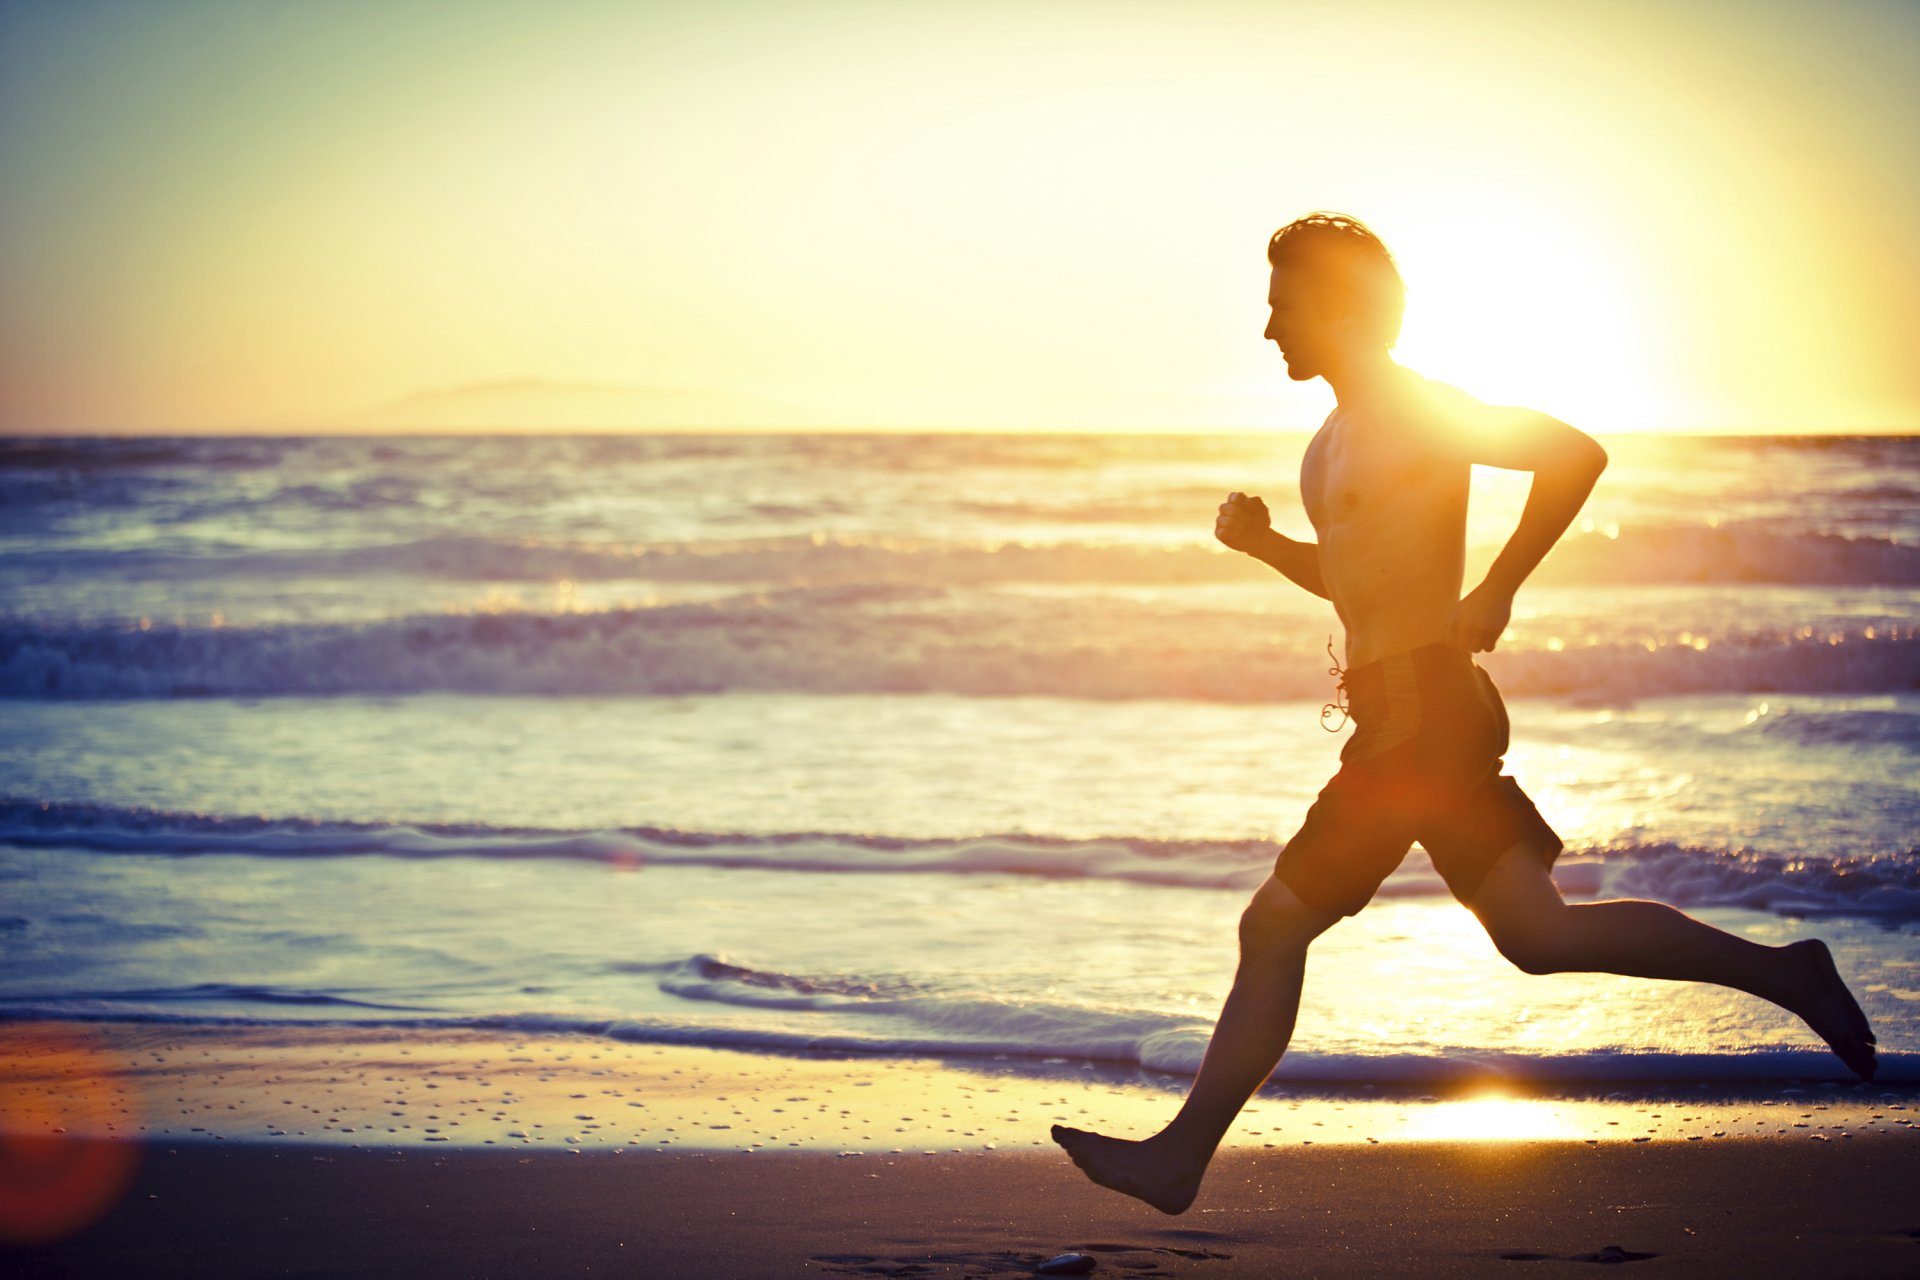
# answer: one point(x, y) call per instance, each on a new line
point(1479, 619)
point(1244, 523)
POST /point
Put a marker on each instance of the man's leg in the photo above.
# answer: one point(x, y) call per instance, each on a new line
point(1254, 1027)
point(1533, 927)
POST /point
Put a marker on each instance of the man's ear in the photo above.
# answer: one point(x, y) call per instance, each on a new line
point(1343, 320)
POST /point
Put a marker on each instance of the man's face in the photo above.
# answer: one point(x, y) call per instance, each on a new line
point(1297, 323)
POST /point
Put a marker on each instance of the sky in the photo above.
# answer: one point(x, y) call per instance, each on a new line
point(404, 214)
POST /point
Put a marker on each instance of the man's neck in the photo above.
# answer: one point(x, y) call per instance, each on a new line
point(1363, 377)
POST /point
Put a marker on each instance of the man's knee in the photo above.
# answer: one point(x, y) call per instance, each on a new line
point(1277, 918)
point(1531, 945)
point(1523, 912)
point(1530, 954)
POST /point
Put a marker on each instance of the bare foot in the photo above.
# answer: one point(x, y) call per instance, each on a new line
point(1137, 1169)
point(1830, 1009)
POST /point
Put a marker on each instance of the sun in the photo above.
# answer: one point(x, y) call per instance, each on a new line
point(1532, 309)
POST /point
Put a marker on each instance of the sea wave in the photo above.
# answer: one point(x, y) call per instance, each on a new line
point(226, 994)
point(951, 1023)
point(1856, 727)
point(89, 455)
point(963, 1026)
point(875, 639)
point(1650, 555)
point(1880, 885)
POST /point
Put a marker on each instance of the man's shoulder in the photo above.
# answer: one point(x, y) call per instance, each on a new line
point(1318, 440)
point(1435, 415)
point(1447, 422)
point(1427, 400)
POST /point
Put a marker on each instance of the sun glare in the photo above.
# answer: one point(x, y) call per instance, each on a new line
point(1487, 1119)
point(1529, 307)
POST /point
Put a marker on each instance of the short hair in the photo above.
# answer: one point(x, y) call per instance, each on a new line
point(1353, 261)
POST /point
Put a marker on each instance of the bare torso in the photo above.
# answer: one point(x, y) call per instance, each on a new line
point(1391, 515)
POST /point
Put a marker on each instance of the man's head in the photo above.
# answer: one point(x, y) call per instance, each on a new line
point(1335, 293)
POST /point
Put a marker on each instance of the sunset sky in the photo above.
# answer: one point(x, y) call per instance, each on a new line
point(405, 214)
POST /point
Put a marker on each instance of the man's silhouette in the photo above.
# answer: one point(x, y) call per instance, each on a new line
point(1385, 485)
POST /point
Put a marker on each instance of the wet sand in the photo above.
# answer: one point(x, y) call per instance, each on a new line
point(1748, 1208)
point(321, 1152)
point(384, 1088)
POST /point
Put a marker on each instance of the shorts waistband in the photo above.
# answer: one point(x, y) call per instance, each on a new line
point(1399, 677)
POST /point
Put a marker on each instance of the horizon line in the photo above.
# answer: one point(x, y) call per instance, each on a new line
point(357, 433)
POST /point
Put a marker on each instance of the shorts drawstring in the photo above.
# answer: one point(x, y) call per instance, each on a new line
point(1339, 704)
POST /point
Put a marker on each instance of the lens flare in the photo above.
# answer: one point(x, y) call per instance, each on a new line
point(61, 1165)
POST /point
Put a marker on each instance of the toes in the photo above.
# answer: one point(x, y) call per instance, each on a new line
point(1860, 1059)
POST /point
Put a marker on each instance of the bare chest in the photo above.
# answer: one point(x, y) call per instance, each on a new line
point(1351, 475)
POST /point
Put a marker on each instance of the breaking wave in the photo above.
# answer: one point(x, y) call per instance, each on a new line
point(880, 640)
point(871, 1018)
point(1652, 555)
point(1883, 885)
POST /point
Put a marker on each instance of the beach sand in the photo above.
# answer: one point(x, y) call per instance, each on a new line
point(250, 1151)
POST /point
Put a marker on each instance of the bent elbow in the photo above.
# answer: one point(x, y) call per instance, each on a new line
point(1582, 453)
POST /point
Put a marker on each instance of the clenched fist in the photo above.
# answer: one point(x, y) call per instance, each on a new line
point(1244, 523)
point(1479, 620)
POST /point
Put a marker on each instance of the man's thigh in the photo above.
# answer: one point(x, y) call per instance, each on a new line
point(1352, 839)
point(1518, 885)
point(1468, 836)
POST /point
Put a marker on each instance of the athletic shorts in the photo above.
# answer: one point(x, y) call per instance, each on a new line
point(1423, 764)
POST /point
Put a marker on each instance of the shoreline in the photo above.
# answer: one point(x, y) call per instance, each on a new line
point(246, 1151)
point(380, 1088)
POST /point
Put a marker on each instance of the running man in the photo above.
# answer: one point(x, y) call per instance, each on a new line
point(1385, 486)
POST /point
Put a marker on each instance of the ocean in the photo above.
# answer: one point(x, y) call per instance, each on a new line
point(950, 745)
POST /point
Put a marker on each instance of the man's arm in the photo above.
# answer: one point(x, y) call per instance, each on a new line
point(1565, 464)
point(1245, 525)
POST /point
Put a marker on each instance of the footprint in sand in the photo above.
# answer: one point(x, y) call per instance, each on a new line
point(1120, 1259)
point(1609, 1255)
